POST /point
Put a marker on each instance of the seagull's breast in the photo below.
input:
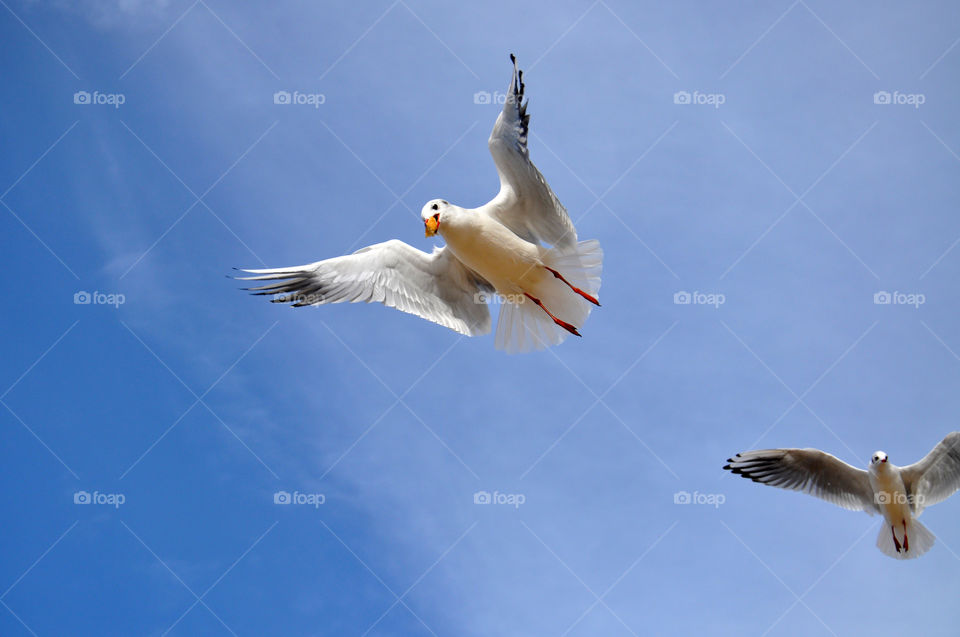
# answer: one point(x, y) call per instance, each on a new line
point(492, 250)
point(890, 494)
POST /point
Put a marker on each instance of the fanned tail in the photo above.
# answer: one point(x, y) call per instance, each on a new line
point(523, 326)
point(919, 539)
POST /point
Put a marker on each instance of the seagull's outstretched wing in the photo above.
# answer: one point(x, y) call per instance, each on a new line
point(525, 203)
point(436, 287)
point(936, 477)
point(808, 470)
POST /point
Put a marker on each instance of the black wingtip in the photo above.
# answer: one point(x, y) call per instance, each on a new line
point(513, 58)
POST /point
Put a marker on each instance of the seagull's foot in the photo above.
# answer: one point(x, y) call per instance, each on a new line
point(563, 324)
point(896, 543)
point(906, 540)
point(590, 298)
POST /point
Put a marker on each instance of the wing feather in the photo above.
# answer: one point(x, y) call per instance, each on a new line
point(436, 286)
point(526, 204)
point(937, 476)
point(810, 471)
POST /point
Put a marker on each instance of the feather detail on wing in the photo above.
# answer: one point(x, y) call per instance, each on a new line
point(936, 477)
point(810, 471)
point(525, 203)
point(436, 287)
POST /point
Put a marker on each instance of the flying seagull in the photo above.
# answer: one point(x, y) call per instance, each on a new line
point(494, 252)
point(898, 493)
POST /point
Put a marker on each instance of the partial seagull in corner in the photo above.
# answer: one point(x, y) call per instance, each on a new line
point(898, 493)
point(546, 293)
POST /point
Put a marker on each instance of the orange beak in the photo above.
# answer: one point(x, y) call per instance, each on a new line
point(430, 226)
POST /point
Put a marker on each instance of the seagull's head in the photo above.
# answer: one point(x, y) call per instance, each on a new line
point(879, 458)
point(432, 215)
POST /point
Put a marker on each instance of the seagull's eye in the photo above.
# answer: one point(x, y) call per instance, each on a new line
point(435, 207)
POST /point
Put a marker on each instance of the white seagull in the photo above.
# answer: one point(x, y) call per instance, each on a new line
point(546, 293)
point(898, 493)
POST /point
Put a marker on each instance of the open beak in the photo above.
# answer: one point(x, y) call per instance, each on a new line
point(883, 460)
point(430, 226)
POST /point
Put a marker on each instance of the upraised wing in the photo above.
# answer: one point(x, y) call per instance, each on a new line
point(525, 203)
point(810, 471)
point(436, 287)
point(936, 477)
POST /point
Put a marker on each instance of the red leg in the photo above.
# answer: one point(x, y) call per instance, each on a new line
point(895, 542)
point(563, 324)
point(573, 287)
point(906, 540)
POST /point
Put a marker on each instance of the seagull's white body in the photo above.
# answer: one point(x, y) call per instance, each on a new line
point(546, 293)
point(492, 250)
point(899, 494)
point(889, 492)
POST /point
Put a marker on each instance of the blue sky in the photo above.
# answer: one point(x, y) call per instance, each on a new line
point(783, 189)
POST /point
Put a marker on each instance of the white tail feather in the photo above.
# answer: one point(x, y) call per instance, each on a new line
point(919, 537)
point(523, 326)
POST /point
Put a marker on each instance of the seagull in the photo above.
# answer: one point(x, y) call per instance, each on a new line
point(494, 253)
point(898, 493)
